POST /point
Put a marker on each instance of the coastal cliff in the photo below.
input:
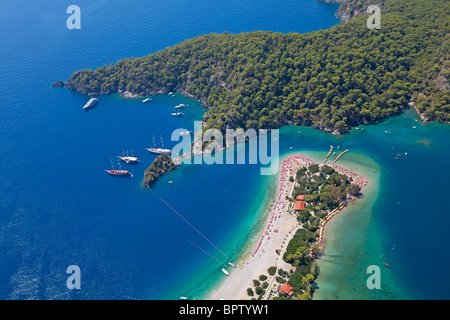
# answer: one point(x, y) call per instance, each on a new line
point(160, 166)
point(355, 8)
point(340, 13)
point(349, 9)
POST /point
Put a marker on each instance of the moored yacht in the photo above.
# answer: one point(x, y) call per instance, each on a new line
point(159, 150)
point(92, 102)
point(120, 173)
point(129, 159)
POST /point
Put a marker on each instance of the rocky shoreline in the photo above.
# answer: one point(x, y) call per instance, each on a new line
point(351, 8)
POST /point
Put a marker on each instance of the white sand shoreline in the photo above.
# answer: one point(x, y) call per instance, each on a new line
point(234, 287)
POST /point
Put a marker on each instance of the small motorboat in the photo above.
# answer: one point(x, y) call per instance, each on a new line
point(186, 133)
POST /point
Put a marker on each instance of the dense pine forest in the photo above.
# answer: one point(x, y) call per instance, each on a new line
point(160, 166)
point(331, 79)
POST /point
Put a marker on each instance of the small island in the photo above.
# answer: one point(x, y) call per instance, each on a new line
point(160, 166)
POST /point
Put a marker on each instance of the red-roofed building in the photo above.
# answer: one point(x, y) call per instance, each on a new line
point(286, 289)
point(299, 205)
point(300, 197)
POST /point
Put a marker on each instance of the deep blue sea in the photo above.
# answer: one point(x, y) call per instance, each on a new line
point(58, 207)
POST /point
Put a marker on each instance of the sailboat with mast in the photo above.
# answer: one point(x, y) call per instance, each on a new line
point(120, 172)
point(128, 158)
point(159, 150)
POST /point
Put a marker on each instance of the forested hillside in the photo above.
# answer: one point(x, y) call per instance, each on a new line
point(331, 79)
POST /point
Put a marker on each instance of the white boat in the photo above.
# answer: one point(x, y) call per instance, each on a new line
point(225, 271)
point(185, 133)
point(159, 150)
point(180, 106)
point(120, 173)
point(129, 159)
point(90, 103)
point(146, 100)
point(177, 114)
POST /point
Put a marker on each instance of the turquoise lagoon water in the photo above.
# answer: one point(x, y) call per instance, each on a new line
point(58, 207)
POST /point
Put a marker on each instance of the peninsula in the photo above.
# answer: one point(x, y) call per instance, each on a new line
point(282, 265)
point(331, 79)
point(160, 166)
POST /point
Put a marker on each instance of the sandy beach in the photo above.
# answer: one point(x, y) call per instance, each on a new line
point(279, 229)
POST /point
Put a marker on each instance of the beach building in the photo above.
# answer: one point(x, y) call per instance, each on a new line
point(286, 289)
point(300, 204)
